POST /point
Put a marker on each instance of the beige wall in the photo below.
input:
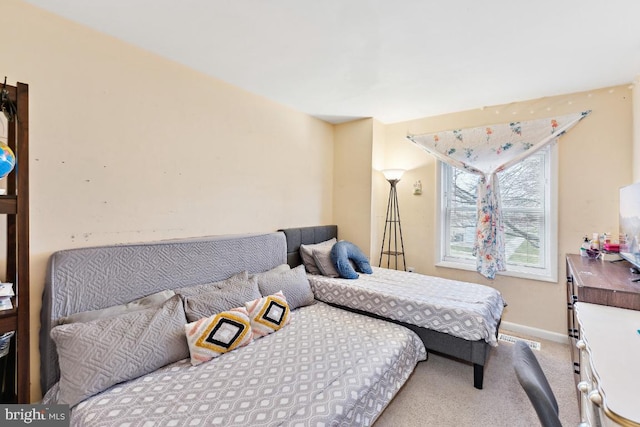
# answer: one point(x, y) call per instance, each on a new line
point(352, 180)
point(126, 146)
point(358, 159)
point(594, 162)
point(379, 200)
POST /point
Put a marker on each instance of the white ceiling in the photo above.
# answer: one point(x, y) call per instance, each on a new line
point(394, 60)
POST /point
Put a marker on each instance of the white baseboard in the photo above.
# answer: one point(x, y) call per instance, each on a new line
point(535, 332)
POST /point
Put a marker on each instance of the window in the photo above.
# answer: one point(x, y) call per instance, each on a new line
point(529, 209)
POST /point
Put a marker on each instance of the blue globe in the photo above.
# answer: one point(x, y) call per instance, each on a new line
point(7, 160)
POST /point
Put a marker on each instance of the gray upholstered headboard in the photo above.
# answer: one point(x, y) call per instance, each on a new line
point(306, 236)
point(99, 277)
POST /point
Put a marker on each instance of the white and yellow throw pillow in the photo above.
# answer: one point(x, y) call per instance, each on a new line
point(268, 314)
point(212, 336)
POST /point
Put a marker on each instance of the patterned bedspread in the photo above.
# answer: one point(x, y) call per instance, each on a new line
point(466, 310)
point(327, 367)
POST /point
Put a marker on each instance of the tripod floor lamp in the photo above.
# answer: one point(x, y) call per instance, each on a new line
point(392, 235)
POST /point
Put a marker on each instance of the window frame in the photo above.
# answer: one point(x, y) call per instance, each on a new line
point(547, 274)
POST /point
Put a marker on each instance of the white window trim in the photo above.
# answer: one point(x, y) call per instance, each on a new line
point(550, 274)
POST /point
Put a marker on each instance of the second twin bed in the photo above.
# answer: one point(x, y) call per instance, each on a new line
point(455, 318)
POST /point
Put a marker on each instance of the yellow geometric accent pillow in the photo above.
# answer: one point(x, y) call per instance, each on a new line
point(268, 314)
point(212, 336)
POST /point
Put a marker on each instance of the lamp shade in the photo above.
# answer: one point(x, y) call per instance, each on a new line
point(393, 174)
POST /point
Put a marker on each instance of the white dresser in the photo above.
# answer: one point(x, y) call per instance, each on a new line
point(609, 347)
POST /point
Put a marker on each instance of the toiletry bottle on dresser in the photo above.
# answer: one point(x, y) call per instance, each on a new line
point(585, 245)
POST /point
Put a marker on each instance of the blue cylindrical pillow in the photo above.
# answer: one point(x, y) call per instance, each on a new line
point(344, 251)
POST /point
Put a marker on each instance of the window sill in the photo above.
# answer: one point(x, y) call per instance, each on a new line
point(552, 278)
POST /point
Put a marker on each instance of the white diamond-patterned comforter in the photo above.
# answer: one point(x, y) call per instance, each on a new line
point(328, 367)
point(466, 310)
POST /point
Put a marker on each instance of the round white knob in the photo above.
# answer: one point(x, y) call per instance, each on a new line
point(581, 345)
point(583, 386)
point(595, 397)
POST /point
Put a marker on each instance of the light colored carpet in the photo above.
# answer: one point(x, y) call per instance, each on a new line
point(440, 392)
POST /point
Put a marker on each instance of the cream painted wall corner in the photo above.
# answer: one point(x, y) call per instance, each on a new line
point(353, 150)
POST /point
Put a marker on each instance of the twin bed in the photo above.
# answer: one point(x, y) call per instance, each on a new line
point(327, 366)
point(457, 319)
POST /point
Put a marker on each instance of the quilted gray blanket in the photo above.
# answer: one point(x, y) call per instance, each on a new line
point(327, 367)
point(466, 310)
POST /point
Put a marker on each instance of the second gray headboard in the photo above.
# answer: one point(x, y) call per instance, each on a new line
point(306, 236)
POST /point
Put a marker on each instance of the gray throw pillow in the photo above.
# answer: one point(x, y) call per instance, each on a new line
point(276, 270)
point(149, 301)
point(96, 355)
point(190, 291)
point(306, 253)
point(217, 300)
point(322, 257)
point(293, 284)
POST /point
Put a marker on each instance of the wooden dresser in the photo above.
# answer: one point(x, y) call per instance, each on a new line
point(603, 305)
point(603, 282)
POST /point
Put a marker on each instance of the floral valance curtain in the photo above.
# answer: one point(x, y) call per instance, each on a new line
point(485, 151)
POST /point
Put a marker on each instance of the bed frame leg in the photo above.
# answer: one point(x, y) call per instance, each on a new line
point(478, 375)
